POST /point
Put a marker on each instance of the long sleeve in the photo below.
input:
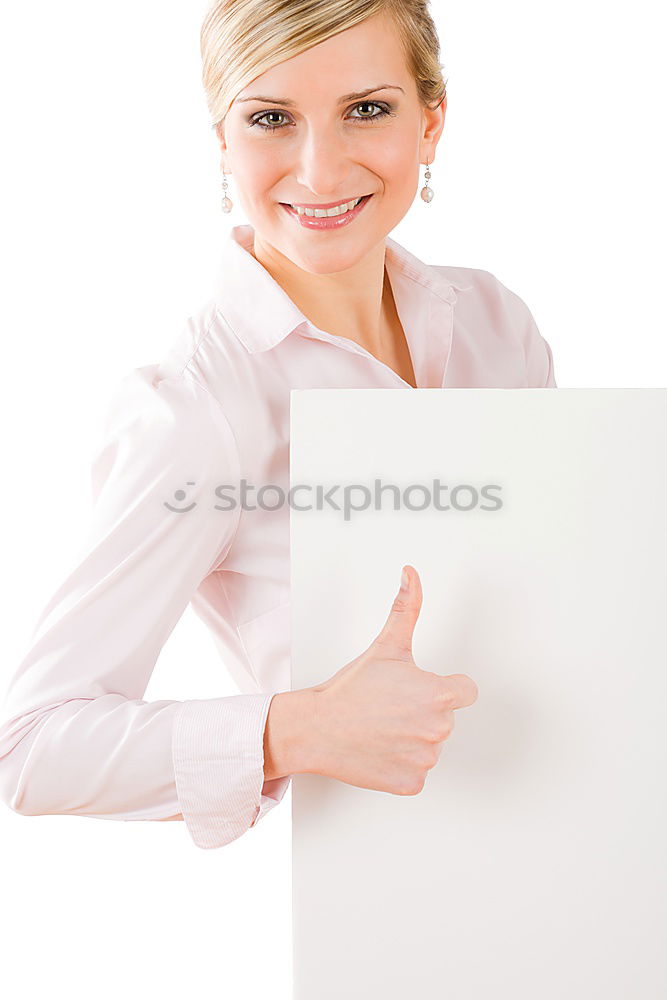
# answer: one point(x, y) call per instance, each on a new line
point(76, 736)
point(539, 357)
point(515, 314)
point(538, 354)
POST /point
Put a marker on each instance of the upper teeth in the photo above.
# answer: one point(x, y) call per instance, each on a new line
point(320, 213)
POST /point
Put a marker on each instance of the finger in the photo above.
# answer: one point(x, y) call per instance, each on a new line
point(460, 689)
point(395, 637)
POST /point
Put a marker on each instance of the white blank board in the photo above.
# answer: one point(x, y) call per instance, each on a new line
point(533, 864)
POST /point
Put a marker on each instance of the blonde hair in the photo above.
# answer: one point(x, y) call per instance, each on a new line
point(240, 39)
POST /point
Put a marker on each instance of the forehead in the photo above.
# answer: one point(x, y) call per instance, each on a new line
point(364, 56)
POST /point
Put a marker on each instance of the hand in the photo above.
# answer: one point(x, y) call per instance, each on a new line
point(381, 720)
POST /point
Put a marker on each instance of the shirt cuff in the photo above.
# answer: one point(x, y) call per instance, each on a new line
point(272, 793)
point(218, 756)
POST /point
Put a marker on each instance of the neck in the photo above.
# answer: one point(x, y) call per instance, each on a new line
point(353, 303)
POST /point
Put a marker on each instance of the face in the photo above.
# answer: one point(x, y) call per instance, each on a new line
point(301, 134)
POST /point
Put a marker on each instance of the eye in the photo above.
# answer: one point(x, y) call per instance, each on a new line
point(273, 126)
point(383, 109)
point(257, 120)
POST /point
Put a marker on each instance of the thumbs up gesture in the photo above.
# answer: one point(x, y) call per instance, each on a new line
point(382, 720)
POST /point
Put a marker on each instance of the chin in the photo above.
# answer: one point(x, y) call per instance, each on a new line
point(329, 258)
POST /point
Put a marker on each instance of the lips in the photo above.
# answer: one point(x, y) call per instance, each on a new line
point(307, 217)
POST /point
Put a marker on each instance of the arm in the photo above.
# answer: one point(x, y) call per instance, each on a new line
point(506, 315)
point(537, 352)
point(539, 356)
point(76, 736)
point(290, 736)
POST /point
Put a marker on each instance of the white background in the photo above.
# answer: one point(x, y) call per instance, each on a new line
point(549, 174)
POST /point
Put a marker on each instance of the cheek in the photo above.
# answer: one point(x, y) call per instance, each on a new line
point(397, 161)
point(260, 174)
point(255, 170)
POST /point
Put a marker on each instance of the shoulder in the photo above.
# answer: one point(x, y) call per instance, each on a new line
point(485, 291)
point(158, 423)
point(497, 315)
point(172, 402)
point(165, 404)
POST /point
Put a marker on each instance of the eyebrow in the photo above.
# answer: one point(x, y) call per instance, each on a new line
point(341, 100)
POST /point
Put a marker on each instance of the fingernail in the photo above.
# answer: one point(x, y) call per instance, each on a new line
point(404, 579)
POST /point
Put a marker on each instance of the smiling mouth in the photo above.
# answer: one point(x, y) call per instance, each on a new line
point(325, 213)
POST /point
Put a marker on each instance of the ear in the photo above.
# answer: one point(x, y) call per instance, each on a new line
point(220, 132)
point(434, 123)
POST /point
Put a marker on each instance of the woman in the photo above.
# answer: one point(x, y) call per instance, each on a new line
point(333, 105)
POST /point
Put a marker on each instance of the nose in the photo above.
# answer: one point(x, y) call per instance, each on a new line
point(323, 164)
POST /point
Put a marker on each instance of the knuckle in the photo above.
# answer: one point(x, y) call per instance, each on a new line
point(411, 783)
point(445, 696)
point(448, 724)
point(429, 758)
point(443, 729)
point(400, 604)
point(470, 685)
point(415, 786)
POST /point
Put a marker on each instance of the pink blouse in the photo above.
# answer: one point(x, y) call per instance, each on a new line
point(76, 736)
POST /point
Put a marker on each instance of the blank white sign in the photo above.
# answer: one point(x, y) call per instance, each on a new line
point(533, 864)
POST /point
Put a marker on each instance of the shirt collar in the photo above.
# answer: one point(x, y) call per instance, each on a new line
point(261, 313)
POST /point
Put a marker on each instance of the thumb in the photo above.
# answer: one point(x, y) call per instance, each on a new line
point(396, 635)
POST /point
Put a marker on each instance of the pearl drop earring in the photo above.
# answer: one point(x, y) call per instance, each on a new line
point(227, 203)
point(426, 191)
